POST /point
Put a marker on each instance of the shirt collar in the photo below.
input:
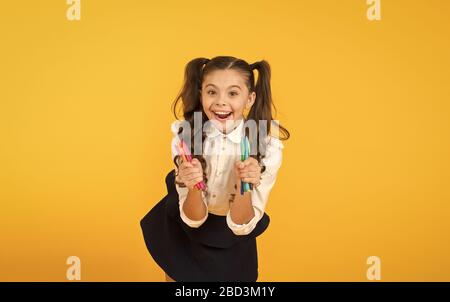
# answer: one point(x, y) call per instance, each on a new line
point(235, 135)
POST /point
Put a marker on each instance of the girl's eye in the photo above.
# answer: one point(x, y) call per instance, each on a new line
point(233, 93)
point(213, 92)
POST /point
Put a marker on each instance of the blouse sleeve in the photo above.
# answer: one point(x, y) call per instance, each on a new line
point(183, 191)
point(260, 194)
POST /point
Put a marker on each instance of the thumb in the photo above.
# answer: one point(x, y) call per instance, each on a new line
point(239, 164)
point(195, 162)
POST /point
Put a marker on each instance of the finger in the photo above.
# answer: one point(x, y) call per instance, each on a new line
point(194, 170)
point(186, 176)
point(198, 179)
point(196, 163)
point(240, 165)
point(248, 161)
point(244, 165)
point(194, 181)
point(248, 174)
point(251, 180)
point(188, 171)
point(251, 162)
point(185, 165)
point(249, 169)
point(193, 176)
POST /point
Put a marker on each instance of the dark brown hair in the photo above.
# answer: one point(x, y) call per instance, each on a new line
point(261, 110)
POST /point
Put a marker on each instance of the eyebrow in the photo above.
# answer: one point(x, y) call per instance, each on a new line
point(228, 86)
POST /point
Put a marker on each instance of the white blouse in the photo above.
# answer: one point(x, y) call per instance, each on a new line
point(220, 173)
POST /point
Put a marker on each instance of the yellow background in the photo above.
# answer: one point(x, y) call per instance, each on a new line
point(85, 137)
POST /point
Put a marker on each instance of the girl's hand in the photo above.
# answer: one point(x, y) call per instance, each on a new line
point(248, 170)
point(190, 173)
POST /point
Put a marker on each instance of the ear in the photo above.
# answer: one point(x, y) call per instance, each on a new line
point(251, 100)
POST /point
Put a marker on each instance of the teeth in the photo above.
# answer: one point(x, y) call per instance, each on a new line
point(221, 112)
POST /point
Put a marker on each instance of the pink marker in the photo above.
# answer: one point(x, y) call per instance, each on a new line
point(186, 154)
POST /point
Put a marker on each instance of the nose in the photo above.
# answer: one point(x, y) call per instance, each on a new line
point(220, 102)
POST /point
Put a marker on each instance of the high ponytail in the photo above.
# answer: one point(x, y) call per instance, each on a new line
point(262, 110)
point(190, 92)
point(190, 98)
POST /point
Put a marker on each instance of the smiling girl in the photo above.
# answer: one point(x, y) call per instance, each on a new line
point(210, 234)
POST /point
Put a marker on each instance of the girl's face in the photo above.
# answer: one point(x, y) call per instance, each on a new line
point(224, 97)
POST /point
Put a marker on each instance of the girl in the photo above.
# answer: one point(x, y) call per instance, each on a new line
point(209, 233)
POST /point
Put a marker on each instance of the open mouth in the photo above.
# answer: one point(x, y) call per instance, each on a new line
point(222, 115)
